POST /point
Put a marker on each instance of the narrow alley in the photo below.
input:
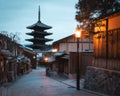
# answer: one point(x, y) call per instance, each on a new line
point(36, 83)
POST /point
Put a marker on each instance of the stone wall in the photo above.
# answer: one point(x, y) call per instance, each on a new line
point(103, 81)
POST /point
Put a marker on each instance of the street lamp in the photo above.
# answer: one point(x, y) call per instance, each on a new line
point(54, 50)
point(34, 57)
point(46, 59)
point(47, 68)
point(78, 35)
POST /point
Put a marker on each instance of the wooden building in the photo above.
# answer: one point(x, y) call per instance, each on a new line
point(32, 56)
point(10, 51)
point(106, 42)
point(68, 46)
point(5, 56)
point(103, 75)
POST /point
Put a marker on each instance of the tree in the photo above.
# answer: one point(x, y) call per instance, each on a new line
point(91, 9)
point(13, 36)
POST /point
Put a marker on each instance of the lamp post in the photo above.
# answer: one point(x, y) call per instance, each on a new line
point(46, 59)
point(78, 35)
point(47, 68)
point(54, 50)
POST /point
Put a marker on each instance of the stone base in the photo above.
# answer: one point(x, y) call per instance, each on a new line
point(103, 81)
point(72, 76)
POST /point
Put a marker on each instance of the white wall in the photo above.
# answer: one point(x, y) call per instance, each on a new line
point(72, 47)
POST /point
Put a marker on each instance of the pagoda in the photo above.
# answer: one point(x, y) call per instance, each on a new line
point(39, 32)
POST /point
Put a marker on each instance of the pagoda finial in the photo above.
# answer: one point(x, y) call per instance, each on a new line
point(39, 14)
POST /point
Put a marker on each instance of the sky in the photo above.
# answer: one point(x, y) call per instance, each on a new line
point(16, 15)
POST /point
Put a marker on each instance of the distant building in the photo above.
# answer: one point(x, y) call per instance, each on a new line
point(32, 56)
point(69, 44)
point(39, 34)
point(66, 54)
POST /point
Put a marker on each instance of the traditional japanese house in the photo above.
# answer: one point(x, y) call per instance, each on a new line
point(67, 53)
point(5, 55)
point(32, 58)
point(61, 64)
point(104, 73)
point(12, 57)
point(2, 71)
point(9, 51)
point(39, 32)
point(68, 44)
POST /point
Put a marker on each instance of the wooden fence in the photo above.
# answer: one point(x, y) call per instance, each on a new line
point(88, 59)
point(85, 58)
point(107, 50)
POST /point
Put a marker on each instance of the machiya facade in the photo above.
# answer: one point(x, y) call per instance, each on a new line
point(69, 44)
point(104, 73)
point(13, 59)
point(67, 52)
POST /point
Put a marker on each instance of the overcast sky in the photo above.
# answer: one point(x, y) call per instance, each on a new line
point(16, 15)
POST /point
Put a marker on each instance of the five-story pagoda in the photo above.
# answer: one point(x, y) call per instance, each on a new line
point(39, 33)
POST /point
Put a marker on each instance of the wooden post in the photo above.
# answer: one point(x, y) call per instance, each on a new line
point(106, 44)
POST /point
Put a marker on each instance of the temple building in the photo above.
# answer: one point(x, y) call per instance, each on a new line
point(39, 32)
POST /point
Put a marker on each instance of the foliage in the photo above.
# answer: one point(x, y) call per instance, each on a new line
point(91, 9)
point(13, 36)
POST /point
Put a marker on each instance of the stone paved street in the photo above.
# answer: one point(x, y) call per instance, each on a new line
point(37, 84)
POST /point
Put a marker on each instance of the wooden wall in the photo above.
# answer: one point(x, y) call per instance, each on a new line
point(111, 60)
point(85, 59)
point(113, 44)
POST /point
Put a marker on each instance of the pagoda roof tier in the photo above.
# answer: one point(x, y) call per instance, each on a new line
point(33, 33)
point(39, 39)
point(39, 25)
point(36, 46)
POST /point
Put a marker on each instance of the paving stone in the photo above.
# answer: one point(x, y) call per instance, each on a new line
point(37, 83)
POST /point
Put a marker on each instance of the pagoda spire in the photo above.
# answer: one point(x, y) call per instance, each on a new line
point(39, 32)
point(39, 14)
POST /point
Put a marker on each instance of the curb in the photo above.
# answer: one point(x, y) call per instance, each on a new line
point(85, 90)
point(93, 92)
point(3, 91)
